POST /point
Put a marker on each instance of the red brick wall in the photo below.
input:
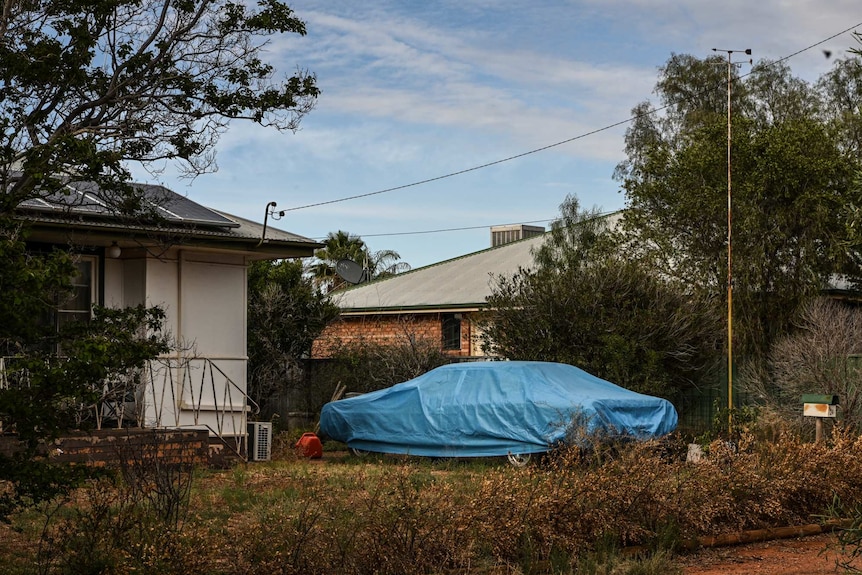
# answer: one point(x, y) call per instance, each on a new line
point(390, 329)
point(108, 447)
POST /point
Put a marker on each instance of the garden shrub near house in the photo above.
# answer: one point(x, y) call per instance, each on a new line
point(363, 365)
point(55, 375)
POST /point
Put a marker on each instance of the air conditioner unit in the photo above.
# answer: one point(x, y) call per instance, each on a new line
point(259, 440)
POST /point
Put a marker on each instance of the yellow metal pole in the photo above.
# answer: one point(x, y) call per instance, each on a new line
point(730, 241)
point(729, 262)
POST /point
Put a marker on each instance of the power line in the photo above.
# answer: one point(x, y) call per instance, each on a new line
point(485, 227)
point(467, 170)
point(416, 233)
point(832, 37)
point(542, 149)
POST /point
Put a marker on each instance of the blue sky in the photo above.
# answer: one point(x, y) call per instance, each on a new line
point(416, 90)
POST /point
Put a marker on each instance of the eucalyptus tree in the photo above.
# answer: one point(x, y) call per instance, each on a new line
point(791, 176)
point(842, 91)
point(590, 302)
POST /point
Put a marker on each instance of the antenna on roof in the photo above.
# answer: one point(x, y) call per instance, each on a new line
point(270, 211)
point(350, 271)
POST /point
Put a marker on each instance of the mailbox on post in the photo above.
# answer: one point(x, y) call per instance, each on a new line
point(819, 406)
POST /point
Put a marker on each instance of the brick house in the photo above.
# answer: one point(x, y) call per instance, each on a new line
point(437, 303)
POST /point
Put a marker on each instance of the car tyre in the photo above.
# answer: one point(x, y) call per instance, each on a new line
point(518, 459)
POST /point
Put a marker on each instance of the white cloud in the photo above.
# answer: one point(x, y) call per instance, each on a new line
point(412, 91)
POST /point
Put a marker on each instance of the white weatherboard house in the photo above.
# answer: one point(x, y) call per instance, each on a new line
point(192, 261)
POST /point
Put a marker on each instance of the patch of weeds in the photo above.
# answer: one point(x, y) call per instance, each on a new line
point(560, 561)
point(848, 537)
point(237, 499)
point(240, 475)
point(658, 563)
point(668, 537)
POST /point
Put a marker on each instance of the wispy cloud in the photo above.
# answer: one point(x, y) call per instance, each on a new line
point(415, 90)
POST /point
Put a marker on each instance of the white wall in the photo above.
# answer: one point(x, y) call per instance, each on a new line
point(213, 320)
point(213, 307)
point(204, 298)
point(114, 277)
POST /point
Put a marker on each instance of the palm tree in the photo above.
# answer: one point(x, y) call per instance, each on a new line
point(337, 246)
point(385, 263)
point(343, 245)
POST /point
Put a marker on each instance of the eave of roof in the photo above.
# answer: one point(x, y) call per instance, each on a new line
point(245, 237)
point(87, 220)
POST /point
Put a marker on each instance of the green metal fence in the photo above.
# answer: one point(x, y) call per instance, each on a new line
point(698, 408)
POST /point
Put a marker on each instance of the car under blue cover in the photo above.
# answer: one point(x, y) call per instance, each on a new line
point(494, 408)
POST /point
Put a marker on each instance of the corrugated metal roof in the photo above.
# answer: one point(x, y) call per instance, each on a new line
point(253, 230)
point(241, 229)
point(463, 282)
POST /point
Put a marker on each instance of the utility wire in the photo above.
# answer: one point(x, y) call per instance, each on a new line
point(446, 229)
point(537, 150)
point(467, 170)
point(485, 227)
point(832, 37)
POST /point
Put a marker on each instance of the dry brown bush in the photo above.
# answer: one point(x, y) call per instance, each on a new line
point(403, 516)
point(637, 496)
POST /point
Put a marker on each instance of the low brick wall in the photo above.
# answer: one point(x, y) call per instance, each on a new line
point(104, 447)
point(111, 446)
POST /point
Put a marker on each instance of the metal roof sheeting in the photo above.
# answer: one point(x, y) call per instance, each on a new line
point(463, 282)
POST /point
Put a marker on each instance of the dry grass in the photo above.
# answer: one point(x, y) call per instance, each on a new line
point(404, 516)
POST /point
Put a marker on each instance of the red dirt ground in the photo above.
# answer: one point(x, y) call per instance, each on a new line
point(812, 555)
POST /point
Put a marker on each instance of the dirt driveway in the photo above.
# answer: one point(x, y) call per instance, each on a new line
point(810, 555)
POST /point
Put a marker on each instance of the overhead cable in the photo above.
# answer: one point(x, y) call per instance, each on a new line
point(543, 148)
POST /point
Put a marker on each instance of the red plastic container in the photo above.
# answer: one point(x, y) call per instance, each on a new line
point(309, 446)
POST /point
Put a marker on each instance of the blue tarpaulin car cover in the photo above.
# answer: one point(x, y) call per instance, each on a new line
point(491, 409)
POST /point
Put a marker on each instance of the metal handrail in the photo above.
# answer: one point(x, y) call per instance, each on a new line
point(225, 407)
point(228, 408)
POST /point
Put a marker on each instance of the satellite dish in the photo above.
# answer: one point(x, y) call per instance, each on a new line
point(350, 271)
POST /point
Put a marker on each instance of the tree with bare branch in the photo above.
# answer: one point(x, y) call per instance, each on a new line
point(822, 355)
point(88, 86)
